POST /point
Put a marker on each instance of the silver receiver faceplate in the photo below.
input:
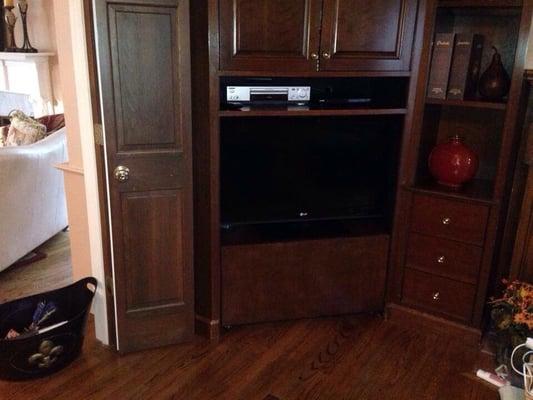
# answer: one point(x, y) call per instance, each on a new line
point(247, 94)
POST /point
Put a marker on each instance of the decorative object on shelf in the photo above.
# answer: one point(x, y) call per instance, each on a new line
point(10, 19)
point(466, 66)
point(495, 83)
point(26, 46)
point(453, 163)
point(440, 65)
point(512, 318)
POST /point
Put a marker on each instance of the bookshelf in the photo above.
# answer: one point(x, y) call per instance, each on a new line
point(480, 122)
point(473, 216)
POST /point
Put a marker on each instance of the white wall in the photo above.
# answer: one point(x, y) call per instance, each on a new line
point(81, 183)
point(42, 36)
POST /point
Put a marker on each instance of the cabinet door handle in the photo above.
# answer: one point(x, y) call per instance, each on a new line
point(441, 259)
point(446, 221)
point(436, 296)
point(326, 55)
point(314, 56)
point(122, 173)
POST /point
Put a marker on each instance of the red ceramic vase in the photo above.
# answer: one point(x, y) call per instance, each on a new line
point(453, 163)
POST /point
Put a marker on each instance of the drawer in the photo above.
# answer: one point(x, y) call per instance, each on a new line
point(440, 295)
point(449, 219)
point(444, 257)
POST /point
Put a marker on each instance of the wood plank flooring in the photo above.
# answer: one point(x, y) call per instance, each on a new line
point(50, 273)
point(359, 358)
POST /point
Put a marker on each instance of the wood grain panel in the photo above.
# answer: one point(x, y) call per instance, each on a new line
point(268, 26)
point(378, 32)
point(154, 273)
point(351, 358)
point(269, 34)
point(371, 35)
point(144, 55)
point(143, 41)
point(449, 219)
point(443, 296)
point(444, 257)
point(276, 281)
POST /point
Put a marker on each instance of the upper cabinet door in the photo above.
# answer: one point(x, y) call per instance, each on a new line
point(371, 35)
point(269, 35)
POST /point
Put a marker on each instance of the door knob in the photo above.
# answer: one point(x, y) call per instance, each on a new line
point(446, 221)
point(436, 296)
point(122, 173)
point(314, 56)
point(326, 55)
point(441, 260)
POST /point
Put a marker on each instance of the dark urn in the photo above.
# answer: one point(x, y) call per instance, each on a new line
point(495, 83)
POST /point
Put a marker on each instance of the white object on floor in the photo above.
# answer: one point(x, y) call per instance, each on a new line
point(511, 393)
point(491, 378)
point(528, 379)
point(33, 204)
point(528, 345)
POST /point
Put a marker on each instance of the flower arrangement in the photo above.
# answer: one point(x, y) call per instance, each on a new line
point(512, 316)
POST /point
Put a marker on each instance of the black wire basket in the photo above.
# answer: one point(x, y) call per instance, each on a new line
point(40, 354)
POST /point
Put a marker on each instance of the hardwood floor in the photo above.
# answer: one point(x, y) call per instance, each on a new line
point(360, 358)
point(50, 273)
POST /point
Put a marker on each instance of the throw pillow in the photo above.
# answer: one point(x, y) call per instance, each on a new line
point(24, 130)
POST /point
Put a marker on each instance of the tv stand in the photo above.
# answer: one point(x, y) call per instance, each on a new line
point(256, 273)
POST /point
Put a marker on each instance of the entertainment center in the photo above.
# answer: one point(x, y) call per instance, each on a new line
point(326, 207)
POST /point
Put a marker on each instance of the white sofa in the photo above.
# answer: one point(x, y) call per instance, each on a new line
point(32, 196)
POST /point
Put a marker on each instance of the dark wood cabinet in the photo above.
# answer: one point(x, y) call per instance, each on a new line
point(271, 35)
point(316, 35)
point(367, 35)
point(446, 241)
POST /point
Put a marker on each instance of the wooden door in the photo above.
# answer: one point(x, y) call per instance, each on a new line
point(144, 61)
point(269, 35)
point(375, 35)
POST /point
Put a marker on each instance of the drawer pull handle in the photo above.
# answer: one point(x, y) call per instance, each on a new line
point(436, 296)
point(446, 221)
point(441, 260)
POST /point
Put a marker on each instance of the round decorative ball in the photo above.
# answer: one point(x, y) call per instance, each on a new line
point(453, 163)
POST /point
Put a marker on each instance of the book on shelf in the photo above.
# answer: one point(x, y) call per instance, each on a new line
point(466, 65)
point(440, 65)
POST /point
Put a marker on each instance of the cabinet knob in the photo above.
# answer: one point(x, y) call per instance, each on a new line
point(446, 221)
point(436, 296)
point(122, 173)
point(441, 260)
point(326, 55)
point(314, 56)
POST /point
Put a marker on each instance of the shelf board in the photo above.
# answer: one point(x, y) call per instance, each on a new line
point(468, 104)
point(308, 112)
point(480, 3)
point(303, 230)
point(477, 190)
point(317, 74)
